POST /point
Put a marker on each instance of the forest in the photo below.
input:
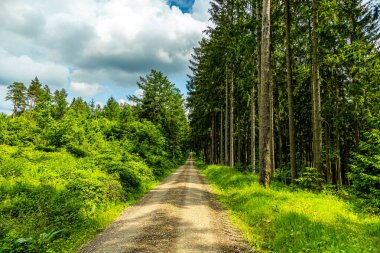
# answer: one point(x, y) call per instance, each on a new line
point(68, 169)
point(284, 102)
point(290, 90)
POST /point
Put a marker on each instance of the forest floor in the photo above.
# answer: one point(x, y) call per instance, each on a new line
point(179, 215)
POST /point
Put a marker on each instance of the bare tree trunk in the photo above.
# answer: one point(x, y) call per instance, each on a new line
point(258, 70)
point(271, 109)
point(246, 149)
point(212, 160)
point(239, 155)
point(226, 156)
point(258, 45)
point(317, 128)
point(264, 109)
point(328, 157)
point(232, 143)
point(279, 150)
point(338, 168)
point(221, 136)
point(253, 132)
point(289, 79)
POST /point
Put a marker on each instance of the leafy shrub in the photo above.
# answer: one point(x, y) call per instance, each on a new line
point(36, 244)
point(46, 148)
point(75, 150)
point(43, 192)
point(310, 178)
point(148, 142)
point(95, 187)
point(365, 170)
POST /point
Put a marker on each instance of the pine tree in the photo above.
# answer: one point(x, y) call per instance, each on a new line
point(34, 92)
point(17, 95)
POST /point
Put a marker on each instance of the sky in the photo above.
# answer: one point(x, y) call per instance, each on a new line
point(96, 49)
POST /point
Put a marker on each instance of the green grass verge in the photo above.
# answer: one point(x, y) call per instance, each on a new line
point(284, 219)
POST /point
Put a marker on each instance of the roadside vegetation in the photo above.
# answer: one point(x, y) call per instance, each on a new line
point(289, 219)
point(68, 170)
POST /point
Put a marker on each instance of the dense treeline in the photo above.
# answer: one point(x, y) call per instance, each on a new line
point(67, 169)
point(307, 90)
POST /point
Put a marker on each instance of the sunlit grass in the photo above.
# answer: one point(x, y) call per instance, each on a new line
point(283, 219)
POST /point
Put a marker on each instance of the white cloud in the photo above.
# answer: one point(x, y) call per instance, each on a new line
point(122, 101)
point(4, 105)
point(100, 104)
point(23, 68)
point(164, 56)
point(139, 93)
point(98, 40)
point(86, 89)
point(200, 10)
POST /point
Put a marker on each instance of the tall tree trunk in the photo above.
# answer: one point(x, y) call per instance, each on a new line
point(258, 46)
point(289, 79)
point(232, 143)
point(280, 151)
point(338, 168)
point(212, 160)
point(258, 70)
point(221, 159)
point(239, 154)
point(264, 109)
point(271, 109)
point(253, 132)
point(246, 149)
point(226, 155)
point(317, 128)
point(328, 156)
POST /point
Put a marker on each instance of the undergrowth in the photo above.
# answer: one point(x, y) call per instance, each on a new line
point(285, 219)
point(56, 201)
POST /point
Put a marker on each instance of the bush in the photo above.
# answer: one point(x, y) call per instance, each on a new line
point(76, 151)
point(42, 193)
point(365, 170)
point(46, 148)
point(311, 179)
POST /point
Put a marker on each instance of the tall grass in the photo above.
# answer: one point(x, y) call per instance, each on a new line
point(283, 219)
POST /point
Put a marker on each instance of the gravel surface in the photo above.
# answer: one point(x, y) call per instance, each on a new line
point(179, 215)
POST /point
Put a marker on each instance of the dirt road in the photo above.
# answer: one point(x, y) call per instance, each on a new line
point(179, 215)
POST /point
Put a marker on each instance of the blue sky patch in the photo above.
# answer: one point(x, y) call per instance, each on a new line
point(183, 5)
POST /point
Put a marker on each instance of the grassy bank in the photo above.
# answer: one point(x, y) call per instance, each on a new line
point(55, 202)
point(284, 219)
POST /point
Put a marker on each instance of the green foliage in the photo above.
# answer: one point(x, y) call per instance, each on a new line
point(150, 144)
point(365, 170)
point(310, 178)
point(55, 191)
point(17, 95)
point(37, 244)
point(75, 150)
point(284, 219)
point(112, 109)
point(162, 104)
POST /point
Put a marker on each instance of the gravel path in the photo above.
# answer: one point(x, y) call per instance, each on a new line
point(179, 215)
